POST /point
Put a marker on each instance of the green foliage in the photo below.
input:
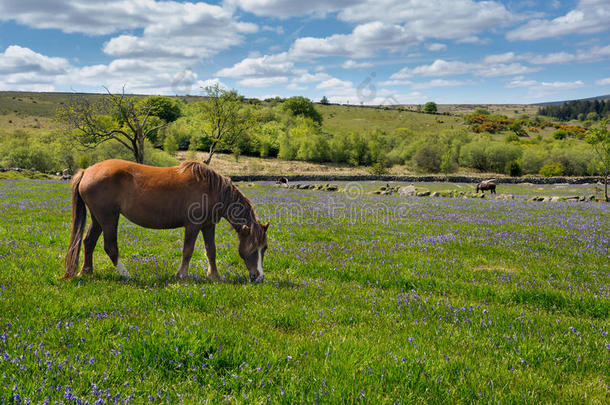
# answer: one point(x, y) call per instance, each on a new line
point(513, 168)
point(532, 160)
point(301, 106)
point(429, 157)
point(512, 137)
point(481, 111)
point(552, 169)
point(430, 107)
point(577, 109)
point(224, 121)
point(266, 139)
point(324, 101)
point(560, 134)
point(170, 144)
point(166, 108)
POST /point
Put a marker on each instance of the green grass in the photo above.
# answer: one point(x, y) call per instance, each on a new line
point(379, 299)
point(345, 119)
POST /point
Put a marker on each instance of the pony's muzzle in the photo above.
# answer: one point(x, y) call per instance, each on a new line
point(256, 278)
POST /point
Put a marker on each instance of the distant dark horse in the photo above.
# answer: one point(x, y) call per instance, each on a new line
point(487, 185)
point(191, 195)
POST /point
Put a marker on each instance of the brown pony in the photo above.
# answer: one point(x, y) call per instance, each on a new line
point(191, 195)
point(487, 185)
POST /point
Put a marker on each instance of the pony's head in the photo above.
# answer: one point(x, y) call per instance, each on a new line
point(252, 247)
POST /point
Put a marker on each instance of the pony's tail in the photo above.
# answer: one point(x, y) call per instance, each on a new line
point(79, 218)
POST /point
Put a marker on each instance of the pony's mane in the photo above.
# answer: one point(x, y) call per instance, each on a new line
point(226, 192)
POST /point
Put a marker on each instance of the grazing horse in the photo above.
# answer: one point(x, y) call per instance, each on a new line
point(487, 185)
point(282, 181)
point(191, 195)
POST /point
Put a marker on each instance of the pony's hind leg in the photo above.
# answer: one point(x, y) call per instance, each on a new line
point(93, 234)
point(190, 237)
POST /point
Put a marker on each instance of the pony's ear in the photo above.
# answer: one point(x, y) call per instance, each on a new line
point(266, 226)
point(245, 229)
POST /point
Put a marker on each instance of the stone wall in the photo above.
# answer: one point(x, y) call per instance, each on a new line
point(413, 179)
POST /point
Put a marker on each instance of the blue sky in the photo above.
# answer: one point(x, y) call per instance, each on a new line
point(356, 51)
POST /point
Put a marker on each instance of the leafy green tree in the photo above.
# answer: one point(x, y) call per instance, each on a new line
point(599, 138)
point(167, 108)
point(324, 101)
point(302, 106)
point(114, 117)
point(226, 119)
point(429, 157)
point(430, 107)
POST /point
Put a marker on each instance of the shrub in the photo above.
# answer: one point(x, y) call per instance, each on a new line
point(429, 157)
point(304, 107)
point(560, 134)
point(170, 145)
point(499, 155)
point(532, 161)
point(512, 137)
point(430, 107)
point(513, 169)
point(552, 169)
point(473, 155)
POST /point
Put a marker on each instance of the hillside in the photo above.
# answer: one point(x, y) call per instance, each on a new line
point(357, 139)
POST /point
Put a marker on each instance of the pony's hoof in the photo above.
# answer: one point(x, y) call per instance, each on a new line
point(86, 271)
point(213, 277)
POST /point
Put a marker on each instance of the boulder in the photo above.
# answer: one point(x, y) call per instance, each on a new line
point(408, 191)
point(425, 193)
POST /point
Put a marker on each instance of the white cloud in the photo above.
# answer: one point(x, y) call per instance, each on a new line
point(192, 31)
point(441, 67)
point(18, 60)
point(23, 69)
point(168, 38)
point(500, 58)
point(449, 19)
point(291, 8)
point(364, 41)
point(436, 47)
point(603, 82)
point(312, 78)
point(352, 64)
point(437, 68)
point(336, 85)
point(589, 16)
point(268, 66)
point(589, 55)
point(395, 82)
point(262, 81)
point(541, 86)
point(438, 83)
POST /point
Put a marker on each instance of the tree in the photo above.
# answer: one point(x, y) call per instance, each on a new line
point(113, 117)
point(324, 101)
point(599, 138)
point(227, 119)
point(302, 106)
point(430, 107)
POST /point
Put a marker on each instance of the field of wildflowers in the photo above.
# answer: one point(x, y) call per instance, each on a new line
point(367, 298)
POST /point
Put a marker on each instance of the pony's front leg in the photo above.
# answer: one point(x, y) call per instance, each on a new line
point(210, 250)
point(190, 237)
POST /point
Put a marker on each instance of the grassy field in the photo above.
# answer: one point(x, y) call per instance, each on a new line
point(377, 299)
